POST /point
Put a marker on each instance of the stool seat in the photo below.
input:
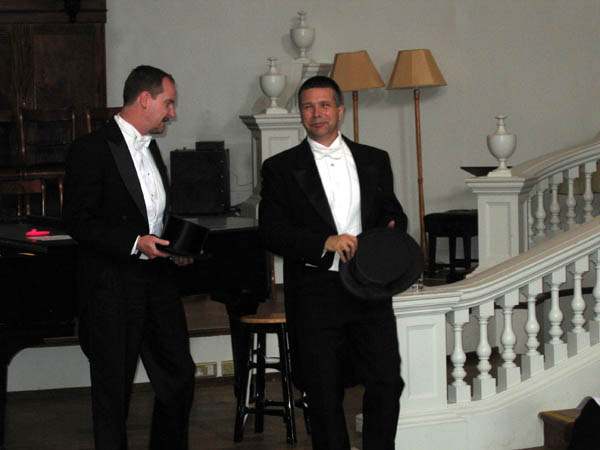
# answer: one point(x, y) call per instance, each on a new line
point(264, 318)
point(451, 224)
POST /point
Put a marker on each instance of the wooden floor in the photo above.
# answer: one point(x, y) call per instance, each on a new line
point(61, 420)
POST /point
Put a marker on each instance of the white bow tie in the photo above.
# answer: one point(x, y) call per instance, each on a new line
point(141, 142)
point(333, 152)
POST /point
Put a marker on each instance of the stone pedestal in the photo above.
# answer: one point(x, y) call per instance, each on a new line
point(271, 134)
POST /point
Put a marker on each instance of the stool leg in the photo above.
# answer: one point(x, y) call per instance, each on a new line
point(286, 384)
point(259, 399)
point(467, 251)
point(432, 249)
point(452, 244)
point(243, 398)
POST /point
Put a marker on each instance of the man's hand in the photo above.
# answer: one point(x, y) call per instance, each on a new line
point(147, 245)
point(343, 244)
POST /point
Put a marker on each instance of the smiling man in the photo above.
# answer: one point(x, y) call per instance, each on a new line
point(116, 197)
point(316, 198)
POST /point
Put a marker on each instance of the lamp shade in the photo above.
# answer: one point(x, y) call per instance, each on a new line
point(415, 68)
point(355, 71)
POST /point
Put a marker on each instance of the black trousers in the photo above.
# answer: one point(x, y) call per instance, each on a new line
point(136, 312)
point(333, 328)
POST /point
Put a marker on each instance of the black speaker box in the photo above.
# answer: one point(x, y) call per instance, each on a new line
point(199, 181)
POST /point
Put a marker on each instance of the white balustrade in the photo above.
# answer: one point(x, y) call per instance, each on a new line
point(428, 406)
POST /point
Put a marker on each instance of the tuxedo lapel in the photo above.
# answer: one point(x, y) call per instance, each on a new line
point(162, 169)
point(124, 163)
point(367, 174)
point(307, 176)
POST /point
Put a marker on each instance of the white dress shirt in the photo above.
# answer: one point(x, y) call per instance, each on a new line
point(340, 180)
point(150, 180)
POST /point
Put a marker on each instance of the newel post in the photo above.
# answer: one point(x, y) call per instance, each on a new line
point(500, 235)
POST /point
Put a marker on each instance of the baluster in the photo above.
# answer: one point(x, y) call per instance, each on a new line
point(509, 374)
point(588, 195)
point(594, 324)
point(540, 213)
point(571, 202)
point(458, 391)
point(554, 204)
point(530, 220)
point(484, 385)
point(555, 350)
point(578, 338)
point(532, 362)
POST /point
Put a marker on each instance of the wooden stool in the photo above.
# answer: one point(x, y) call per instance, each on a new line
point(254, 393)
point(451, 224)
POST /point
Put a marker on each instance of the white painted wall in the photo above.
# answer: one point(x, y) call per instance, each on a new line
point(536, 61)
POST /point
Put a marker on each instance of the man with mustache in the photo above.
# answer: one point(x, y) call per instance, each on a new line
point(116, 196)
point(316, 198)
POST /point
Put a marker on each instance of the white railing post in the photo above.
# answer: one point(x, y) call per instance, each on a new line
point(578, 338)
point(554, 204)
point(458, 391)
point(532, 362)
point(484, 385)
point(509, 374)
point(572, 175)
point(555, 350)
point(498, 218)
point(588, 195)
point(540, 212)
point(594, 324)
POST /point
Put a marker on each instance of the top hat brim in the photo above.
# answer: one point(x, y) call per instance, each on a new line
point(387, 251)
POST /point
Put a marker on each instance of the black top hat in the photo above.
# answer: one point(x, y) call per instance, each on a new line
point(387, 261)
point(186, 237)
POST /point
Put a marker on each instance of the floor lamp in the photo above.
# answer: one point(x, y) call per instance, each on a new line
point(355, 72)
point(415, 69)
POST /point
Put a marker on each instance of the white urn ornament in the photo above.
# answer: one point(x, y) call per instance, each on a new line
point(302, 37)
point(272, 84)
point(501, 145)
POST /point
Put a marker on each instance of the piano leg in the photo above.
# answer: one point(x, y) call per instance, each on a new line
point(10, 345)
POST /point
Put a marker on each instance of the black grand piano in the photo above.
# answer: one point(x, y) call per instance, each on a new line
point(39, 283)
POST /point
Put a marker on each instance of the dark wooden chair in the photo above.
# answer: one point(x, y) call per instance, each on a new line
point(22, 190)
point(45, 138)
point(96, 117)
point(451, 224)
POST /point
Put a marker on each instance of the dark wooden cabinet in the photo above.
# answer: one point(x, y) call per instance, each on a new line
point(52, 54)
